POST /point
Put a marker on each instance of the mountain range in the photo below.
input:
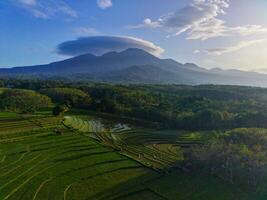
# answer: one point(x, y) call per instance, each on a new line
point(135, 66)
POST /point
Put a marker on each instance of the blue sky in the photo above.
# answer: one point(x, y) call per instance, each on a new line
point(210, 33)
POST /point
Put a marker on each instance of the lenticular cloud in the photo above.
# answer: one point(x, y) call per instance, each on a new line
point(99, 45)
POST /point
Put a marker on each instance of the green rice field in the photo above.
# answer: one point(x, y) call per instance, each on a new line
point(41, 159)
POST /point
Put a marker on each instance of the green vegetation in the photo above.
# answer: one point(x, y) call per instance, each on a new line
point(39, 164)
point(45, 165)
point(25, 101)
point(237, 156)
point(60, 109)
point(1, 90)
point(83, 126)
point(7, 114)
point(73, 97)
point(103, 141)
point(185, 107)
point(168, 106)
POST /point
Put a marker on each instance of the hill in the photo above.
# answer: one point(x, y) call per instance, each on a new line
point(135, 66)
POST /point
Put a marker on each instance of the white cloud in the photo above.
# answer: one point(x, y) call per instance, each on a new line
point(196, 51)
point(85, 31)
point(217, 28)
point(147, 23)
point(47, 8)
point(237, 47)
point(103, 4)
point(199, 20)
point(39, 14)
point(99, 45)
point(29, 2)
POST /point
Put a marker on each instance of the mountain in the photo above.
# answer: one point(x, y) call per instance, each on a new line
point(90, 64)
point(135, 66)
point(144, 74)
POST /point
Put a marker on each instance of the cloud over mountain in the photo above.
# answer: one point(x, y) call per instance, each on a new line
point(99, 45)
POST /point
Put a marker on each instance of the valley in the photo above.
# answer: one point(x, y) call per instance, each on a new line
point(133, 100)
point(102, 141)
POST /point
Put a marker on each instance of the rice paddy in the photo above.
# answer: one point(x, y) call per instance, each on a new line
point(87, 161)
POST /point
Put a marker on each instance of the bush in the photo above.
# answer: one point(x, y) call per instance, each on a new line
point(25, 101)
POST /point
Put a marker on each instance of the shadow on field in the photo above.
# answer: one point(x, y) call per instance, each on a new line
point(173, 186)
point(135, 188)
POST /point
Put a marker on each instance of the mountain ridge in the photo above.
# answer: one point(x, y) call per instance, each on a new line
point(133, 66)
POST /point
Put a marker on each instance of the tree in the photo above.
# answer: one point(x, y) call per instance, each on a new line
point(2, 84)
point(239, 156)
point(75, 97)
point(60, 109)
point(25, 101)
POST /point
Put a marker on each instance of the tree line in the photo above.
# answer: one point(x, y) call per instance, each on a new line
point(206, 107)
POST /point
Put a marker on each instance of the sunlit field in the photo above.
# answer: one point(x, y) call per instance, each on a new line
point(44, 158)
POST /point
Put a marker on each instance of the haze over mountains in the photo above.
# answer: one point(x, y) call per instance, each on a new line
point(136, 66)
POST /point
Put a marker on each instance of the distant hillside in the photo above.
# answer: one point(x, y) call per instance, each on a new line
point(135, 66)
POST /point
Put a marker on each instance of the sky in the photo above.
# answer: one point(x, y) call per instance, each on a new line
point(211, 33)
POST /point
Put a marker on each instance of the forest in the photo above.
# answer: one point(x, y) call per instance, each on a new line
point(170, 106)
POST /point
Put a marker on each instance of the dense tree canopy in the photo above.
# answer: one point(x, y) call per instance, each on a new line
point(1, 84)
point(60, 109)
point(204, 107)
point(73, 97)
point(184, 107)
point(238, 156)
point(18, 100)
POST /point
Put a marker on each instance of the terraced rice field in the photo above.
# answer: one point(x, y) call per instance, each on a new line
point(38, 164)
point(1, 90)
point(75, 123)
point(157, 150)
point(17, 123)
point(43, 165)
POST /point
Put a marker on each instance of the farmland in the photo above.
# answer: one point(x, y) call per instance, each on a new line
point(37, 163)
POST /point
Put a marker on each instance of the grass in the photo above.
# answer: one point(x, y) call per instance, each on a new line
point(38, 164)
